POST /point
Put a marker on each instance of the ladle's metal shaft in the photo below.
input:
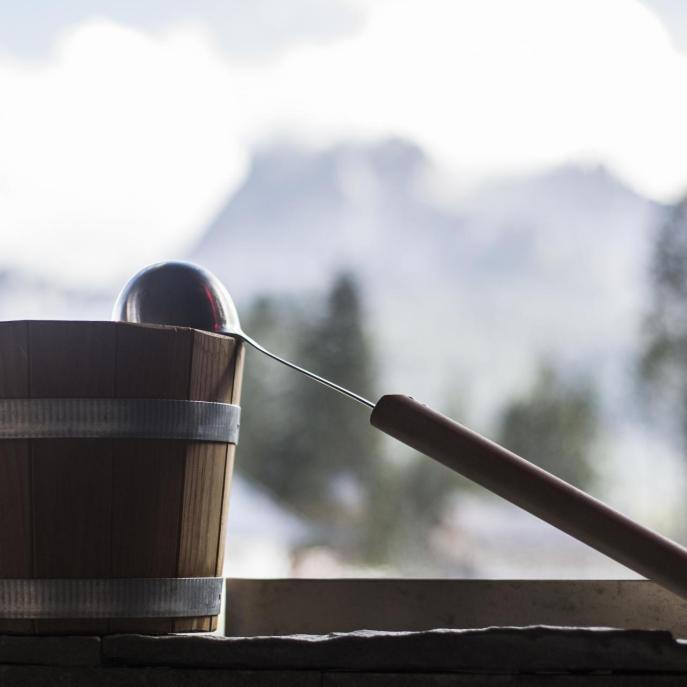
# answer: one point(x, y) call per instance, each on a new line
point(302, 370)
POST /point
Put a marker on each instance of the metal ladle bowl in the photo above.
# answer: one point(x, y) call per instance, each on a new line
point(178, 294)
point(186, 295)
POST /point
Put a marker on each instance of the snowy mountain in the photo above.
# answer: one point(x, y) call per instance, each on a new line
point(301, 215)
point(462, 298)
point(28, 296)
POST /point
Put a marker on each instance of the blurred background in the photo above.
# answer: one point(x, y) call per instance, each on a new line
point(475, 202)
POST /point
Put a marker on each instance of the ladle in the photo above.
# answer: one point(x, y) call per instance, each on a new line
point(182, 294)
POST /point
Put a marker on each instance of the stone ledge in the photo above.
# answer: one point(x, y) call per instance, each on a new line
point(464, 680)
point(490, 650)
point(41, 676)
point(494, 651)
point(50, 651)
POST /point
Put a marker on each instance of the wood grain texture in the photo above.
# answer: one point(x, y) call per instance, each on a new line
point(71, 478)
point(239, 357)
point(149, 475)
point(213, 373)
point(15, 468)
point(240, 353)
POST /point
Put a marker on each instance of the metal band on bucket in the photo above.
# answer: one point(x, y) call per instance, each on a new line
point(118, 418)
point(168, 597)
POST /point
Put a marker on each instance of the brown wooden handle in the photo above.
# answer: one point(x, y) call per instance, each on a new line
point(537, 491)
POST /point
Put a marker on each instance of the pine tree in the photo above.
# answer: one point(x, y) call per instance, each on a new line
point(554, 426)
point(314, 449)
point(663, 361)
point(309, 446)
point(267, 415)
point(336, 446)
point(664, 358)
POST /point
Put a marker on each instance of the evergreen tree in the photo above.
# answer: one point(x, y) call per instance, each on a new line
point(314, 449)
point(554, 426)
point(336, 447)
point(663, 362)
point(267, 415)
point(664, 358)
point(308, 445)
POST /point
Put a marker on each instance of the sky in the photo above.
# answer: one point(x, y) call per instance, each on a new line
point(124, 126)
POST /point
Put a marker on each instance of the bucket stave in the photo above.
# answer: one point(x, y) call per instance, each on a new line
point(114, 508)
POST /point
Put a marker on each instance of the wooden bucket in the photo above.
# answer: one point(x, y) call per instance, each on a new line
point(114, 509)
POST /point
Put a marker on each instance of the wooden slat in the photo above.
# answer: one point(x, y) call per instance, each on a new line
point(149, 475)
point(15, 469)
point(239, 356)
point(240, 353)
point(71, 478)
point(212, 379)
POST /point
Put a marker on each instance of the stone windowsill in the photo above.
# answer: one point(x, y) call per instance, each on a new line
point(362, 657)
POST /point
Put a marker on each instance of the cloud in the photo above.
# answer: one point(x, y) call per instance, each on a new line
point(258, 29)
point(119, 147)
point(500, 86)
point(113, 152)
point(673, 16)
